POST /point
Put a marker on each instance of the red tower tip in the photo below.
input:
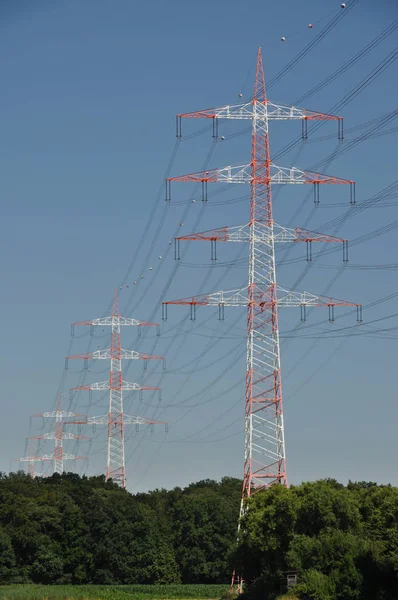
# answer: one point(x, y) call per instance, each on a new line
point(259, 85)
point(115, 307)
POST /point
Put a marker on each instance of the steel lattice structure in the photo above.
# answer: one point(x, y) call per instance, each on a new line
point(264, 443)
point(116, 419)
point(31, 459)
point(59, 456)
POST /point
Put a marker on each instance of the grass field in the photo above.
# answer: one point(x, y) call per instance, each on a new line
point(118, 592)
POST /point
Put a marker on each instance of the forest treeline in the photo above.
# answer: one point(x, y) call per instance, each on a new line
point(341, 541)
point(72, 529)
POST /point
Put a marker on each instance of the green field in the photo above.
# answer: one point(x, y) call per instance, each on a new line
point(117, 592)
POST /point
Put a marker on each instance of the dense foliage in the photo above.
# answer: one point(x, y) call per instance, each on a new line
point(68, 529)
point(341, 541)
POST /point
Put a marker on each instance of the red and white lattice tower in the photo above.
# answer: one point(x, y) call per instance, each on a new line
point(264, 439)
point(58, 436)
point(31, 459)
point(116, 419)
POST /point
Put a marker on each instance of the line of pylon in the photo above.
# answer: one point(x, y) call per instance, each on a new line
point(58, 435)
point(115, 419)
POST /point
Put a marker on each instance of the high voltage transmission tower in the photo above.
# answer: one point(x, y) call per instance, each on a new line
point(116, 419)
point(31, 459)
point(58, 456)
point(264, 439)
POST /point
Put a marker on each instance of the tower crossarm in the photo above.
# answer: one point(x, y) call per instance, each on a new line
point(73, 457)
point(96, 420)
point(127, 420)
point(239, 297)
point(97, 355)
point(304, 300)
point(280, 175)
point(58, 414)
point(44, 457)
point(132, 354)
point(221, 299)
point(115, 321)
point(126, 386)
point(261, 233)
point(273, 175)
point(305, 235)
point(133, 420)
point(242, 174)
point(228, 298)
point(106, 355)
point(262, 301)
point(259, 110)
point(53, 435)
point(229, 174)
point(263, 110)
point(293, 298)
point(222, 234)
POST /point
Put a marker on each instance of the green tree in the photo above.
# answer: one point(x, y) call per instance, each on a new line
point(205, 529)
point(342, 541)
point(7, 557)
point(47, 566)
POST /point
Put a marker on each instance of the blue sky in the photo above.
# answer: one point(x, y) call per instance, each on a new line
point(89, 96)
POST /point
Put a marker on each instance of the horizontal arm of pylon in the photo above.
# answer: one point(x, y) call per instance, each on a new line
point(305, 235)
point(275, 175)
point(240, 298)
point(281, 175)
point(293, 298)
point(106, 354)
point(262, 300)
point(228, 298)
point(243, 174)
point(261, 233)
point(222, 234)
point(58, 414)
point(116, 320)
point(126, 386)
point(230, 174)
point(127, 420)
point(50, 457)
point(133, 420)
point(53, 436)
point(262, 111)
point(265, 110)
point(73, 457)
point(303, 300)
point(102, 420)
point(44, 457)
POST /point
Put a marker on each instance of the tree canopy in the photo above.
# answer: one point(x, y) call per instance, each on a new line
point(71, 529)
point(341, 541)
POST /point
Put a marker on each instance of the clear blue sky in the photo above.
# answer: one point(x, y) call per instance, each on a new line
point(89, 96)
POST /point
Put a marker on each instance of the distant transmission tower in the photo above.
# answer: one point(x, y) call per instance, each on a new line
point(30, 460)
point(58, 436)
point(264, 445)
point(116, 419)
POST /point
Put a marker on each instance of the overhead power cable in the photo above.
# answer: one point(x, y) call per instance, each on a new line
point(311, 45)
point(381, 37)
